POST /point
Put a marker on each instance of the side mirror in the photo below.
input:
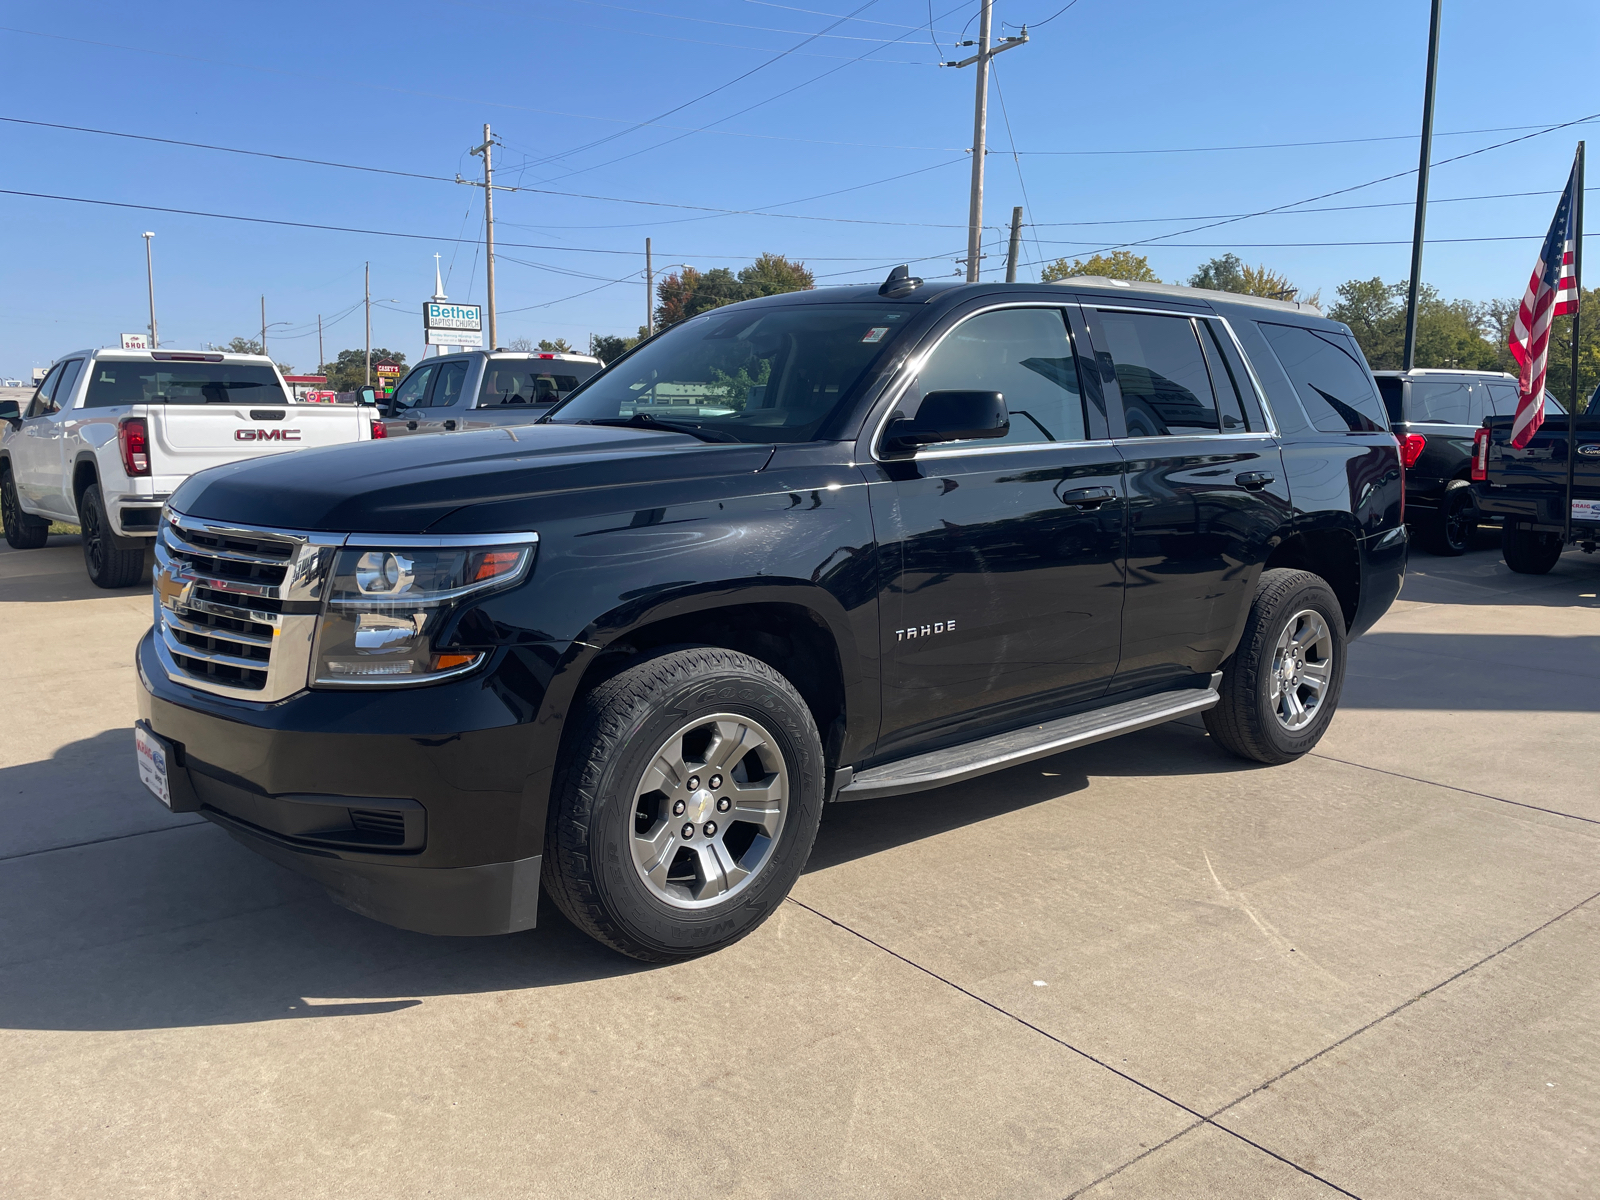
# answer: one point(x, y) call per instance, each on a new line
point(10, 411)
point(949, 417)
point(366, 395)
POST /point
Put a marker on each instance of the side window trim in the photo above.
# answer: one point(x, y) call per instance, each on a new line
point(1109, 378)
point(74, 368)
point(44, 394)
point(913, 364)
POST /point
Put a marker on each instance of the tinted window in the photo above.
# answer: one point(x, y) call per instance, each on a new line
point(528, 383)
point(414, 390)
point(447, 390)
point(1443, 401)
point(42, 403)
point(1161, 371)
point(1022, 353)
point(1329, 376)
point(764, 374)
point(1229, 384)
point(1392, 390)
point(69, 382)
point(145, 382)
point(1502, 397)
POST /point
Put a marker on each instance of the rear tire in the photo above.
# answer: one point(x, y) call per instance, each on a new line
point(1281, 687)
point(1527, 552)
point(108, 567)
point(1448, 529)
point(23, 530)
point(655, 845)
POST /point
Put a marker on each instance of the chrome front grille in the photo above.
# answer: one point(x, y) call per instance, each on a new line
point(236, 607)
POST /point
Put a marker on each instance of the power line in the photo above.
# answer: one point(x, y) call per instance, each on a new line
point(859, 20)
point(734, 24)
point(1051, 17)
point(706, 95)
point(1011, 137)
point(1391, 137)
point(1352, 188)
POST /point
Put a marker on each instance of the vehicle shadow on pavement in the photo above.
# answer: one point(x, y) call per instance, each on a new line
point(856, 829)
point(56, 572)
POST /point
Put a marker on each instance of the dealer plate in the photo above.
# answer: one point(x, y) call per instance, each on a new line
point(1586, 510)
point(154, 755)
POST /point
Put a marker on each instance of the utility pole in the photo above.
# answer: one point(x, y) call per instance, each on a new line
point(263, 324)
point(488, 223)
point(649, 293)
point(320, 360)
point(980, 122)
point(369, 325)
point(1573, 396)
point(150, 276)
point(1013, 252)
point(1415, 282)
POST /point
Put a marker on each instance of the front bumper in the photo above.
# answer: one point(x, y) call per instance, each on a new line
point(437, 829)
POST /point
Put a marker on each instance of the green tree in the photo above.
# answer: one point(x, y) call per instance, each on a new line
point(559, 346)
point(1226, 273)
point(1450, 333)
point(243, 345)
point(685, 294)
point(349, 370)
point(609, 347)
point(1558, 380)
point(1119, 264)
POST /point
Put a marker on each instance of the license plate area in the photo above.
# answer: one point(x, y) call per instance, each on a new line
point(155, 760)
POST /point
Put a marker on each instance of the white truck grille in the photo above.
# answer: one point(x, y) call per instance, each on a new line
point(236, 607)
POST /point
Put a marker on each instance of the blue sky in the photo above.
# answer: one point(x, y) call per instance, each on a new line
point(408, 86)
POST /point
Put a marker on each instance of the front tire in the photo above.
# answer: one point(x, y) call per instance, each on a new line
point(108, 567)
point(685, 805)
point(1527, 552)
point(23, 530)
point(1281, 687)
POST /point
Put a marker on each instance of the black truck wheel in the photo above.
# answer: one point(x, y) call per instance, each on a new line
point(1448, 529)
point(108, 566)
point(1280, 688)
point(1527, 552)
point(23, 530)
point(685, 804)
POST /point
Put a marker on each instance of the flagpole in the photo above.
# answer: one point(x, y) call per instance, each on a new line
point(1577, 315)
point(1409, 355)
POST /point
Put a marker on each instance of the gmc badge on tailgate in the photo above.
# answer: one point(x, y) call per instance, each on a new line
point(266, 435)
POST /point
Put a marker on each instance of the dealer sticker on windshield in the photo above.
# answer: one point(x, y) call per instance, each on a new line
point(875, 334)
point(152, 752)
point(1586, 510)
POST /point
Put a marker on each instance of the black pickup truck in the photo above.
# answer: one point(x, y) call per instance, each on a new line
point(818, 547)
point(1547, 496)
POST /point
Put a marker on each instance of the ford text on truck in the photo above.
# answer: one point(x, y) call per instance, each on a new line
point(109, 434)
point(819, 547)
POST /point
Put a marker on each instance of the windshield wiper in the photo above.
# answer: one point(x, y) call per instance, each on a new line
point(646, 421)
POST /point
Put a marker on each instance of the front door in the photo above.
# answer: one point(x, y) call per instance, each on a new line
point(1005, 556)
point(1207, 491)
point(39, 462)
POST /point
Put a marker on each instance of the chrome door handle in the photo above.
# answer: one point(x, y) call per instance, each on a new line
point(1088, 497)
point(1253, 480)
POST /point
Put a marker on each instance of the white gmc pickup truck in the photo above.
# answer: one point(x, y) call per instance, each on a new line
point(109, 434)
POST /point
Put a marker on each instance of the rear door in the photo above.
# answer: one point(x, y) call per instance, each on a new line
point(447, 407)
point(1207, 489)
point(1005, 590)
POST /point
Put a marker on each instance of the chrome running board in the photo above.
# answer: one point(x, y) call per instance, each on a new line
point(955, 763)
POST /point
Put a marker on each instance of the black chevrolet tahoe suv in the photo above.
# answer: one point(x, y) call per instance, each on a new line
point(818, 547)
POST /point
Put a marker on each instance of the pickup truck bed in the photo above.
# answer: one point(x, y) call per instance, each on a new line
point(1528, 488)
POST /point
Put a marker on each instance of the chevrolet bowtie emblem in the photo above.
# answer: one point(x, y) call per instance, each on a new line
point(174, 590)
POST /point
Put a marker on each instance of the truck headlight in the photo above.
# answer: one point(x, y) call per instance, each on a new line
point(386, 603)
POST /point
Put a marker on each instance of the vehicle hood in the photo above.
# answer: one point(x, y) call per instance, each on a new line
point(408, 484)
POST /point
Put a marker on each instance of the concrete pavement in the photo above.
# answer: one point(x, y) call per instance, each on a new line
point(1144, 969)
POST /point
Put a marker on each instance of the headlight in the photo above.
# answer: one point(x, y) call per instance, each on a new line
point(386, 603)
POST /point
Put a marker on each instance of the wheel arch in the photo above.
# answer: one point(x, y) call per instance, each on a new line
point(1332, 552)
point(85, 474)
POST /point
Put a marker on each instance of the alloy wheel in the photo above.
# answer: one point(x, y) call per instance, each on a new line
point(94, 548)
point(1460, 519)
point(1302, 669)
point(709, 810)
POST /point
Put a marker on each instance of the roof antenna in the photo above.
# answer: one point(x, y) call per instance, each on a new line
point(901, 282)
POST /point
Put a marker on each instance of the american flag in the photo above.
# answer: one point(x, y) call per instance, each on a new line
point(1552, 292)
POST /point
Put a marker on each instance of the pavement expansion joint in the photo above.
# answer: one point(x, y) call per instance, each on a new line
point(1554, 812)
point(116, 837)
point(1201, 1119)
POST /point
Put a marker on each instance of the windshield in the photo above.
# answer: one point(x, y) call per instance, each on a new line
point(761, 375)
point(145, 382)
